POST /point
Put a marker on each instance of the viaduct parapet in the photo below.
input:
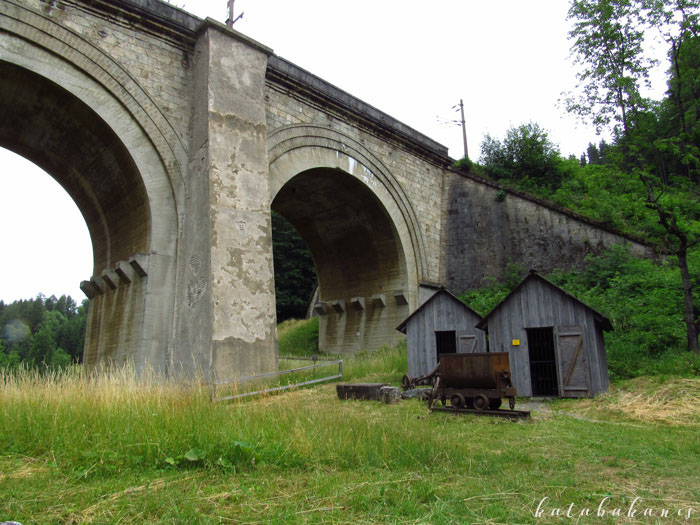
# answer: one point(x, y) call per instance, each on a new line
point(176, 136)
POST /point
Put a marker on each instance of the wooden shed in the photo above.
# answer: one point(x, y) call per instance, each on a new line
point(442, 324)
point(554, 340)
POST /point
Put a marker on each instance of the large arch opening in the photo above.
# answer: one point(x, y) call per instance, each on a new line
point(46, 252)
point(360, 262)
point(45, 242)
point(54, 129)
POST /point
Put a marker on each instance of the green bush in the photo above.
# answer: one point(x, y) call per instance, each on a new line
point(464, 164)
point(525, 157)
point(626, 361)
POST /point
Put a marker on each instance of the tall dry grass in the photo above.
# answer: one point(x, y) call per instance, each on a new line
point(122, 420)
point(650, 399)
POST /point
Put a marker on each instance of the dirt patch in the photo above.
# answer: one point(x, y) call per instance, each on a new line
point(539, 409)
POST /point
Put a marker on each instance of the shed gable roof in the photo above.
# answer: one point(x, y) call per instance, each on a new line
point(600, 318)
point(442, 291)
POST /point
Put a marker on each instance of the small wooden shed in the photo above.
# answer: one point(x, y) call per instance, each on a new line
point(442, 324)
point(554, 340)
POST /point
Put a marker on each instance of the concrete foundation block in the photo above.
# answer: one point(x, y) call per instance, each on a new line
point(139, 262)
point(111, 279)
point(400, 297)
point(358, 303)
point(366, 391)
point(98, 284)
point(125, 272)
point(379, 300)
point(338, 306)
point(89, 289)
point(390, 394)
point(321, 308)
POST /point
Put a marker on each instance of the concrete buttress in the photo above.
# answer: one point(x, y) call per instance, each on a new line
point(227, 324)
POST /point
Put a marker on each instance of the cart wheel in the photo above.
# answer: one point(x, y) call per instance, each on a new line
point(511, 403)
point(457, 401)
point(494, 403)
point(406, 382)
point(481, 402)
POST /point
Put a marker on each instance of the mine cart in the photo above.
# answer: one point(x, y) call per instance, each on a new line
point(475, 380)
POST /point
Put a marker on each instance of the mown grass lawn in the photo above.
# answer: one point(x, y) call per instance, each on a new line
point(115, 451)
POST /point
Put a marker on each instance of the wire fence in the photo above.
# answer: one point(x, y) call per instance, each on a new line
point(229, 389)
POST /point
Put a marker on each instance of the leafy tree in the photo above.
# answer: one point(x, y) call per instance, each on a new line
point(597, 154)
point(608, 45)
point(42, 332)
point(608, 38)
point(526, 156)
point(60, 359)
point(8, 359)
point(678, 25)
point(44, 340)
point(593, 155)
point(295, 275)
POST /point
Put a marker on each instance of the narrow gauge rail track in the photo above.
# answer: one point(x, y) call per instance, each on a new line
point(511, 414)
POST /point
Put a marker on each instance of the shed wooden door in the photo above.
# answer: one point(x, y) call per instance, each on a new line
point(466, 342)
point(445, 343)
point(543, 361)
point(574, 375)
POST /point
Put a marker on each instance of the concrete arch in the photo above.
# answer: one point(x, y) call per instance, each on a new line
point(43, 32)
point(360, 228)
point(112, 150)
point(297, 148)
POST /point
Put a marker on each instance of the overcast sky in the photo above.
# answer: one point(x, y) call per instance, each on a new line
point(508, 59)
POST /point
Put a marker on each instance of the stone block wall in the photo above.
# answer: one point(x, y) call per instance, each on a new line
point(157, 58)
point(487, 228)
point(418, 168)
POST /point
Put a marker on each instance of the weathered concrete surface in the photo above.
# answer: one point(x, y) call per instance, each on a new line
point(64, 109)
point(483, 234)
point(242, 283)
point(175, 136)
point(227, 301)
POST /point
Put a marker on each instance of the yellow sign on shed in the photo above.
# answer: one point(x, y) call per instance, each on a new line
point(516, 342)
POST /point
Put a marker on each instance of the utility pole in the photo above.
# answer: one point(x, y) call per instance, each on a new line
point(230, 20)
point(464, 127)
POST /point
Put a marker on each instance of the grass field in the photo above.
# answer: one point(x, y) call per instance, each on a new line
point(114, 450)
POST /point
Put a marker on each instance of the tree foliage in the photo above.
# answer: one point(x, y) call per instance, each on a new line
point(42, 332)
point(608, 44)
point(295, 275)
point(526, 157)
point(654, 139)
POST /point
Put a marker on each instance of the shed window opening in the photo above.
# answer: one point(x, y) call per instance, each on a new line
point(543, 367)
point(445, 342)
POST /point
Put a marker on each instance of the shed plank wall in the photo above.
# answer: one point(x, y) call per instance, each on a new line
point(534, 305)
point(441, 313)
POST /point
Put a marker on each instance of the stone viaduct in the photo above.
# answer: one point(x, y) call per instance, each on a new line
point(176, 136)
